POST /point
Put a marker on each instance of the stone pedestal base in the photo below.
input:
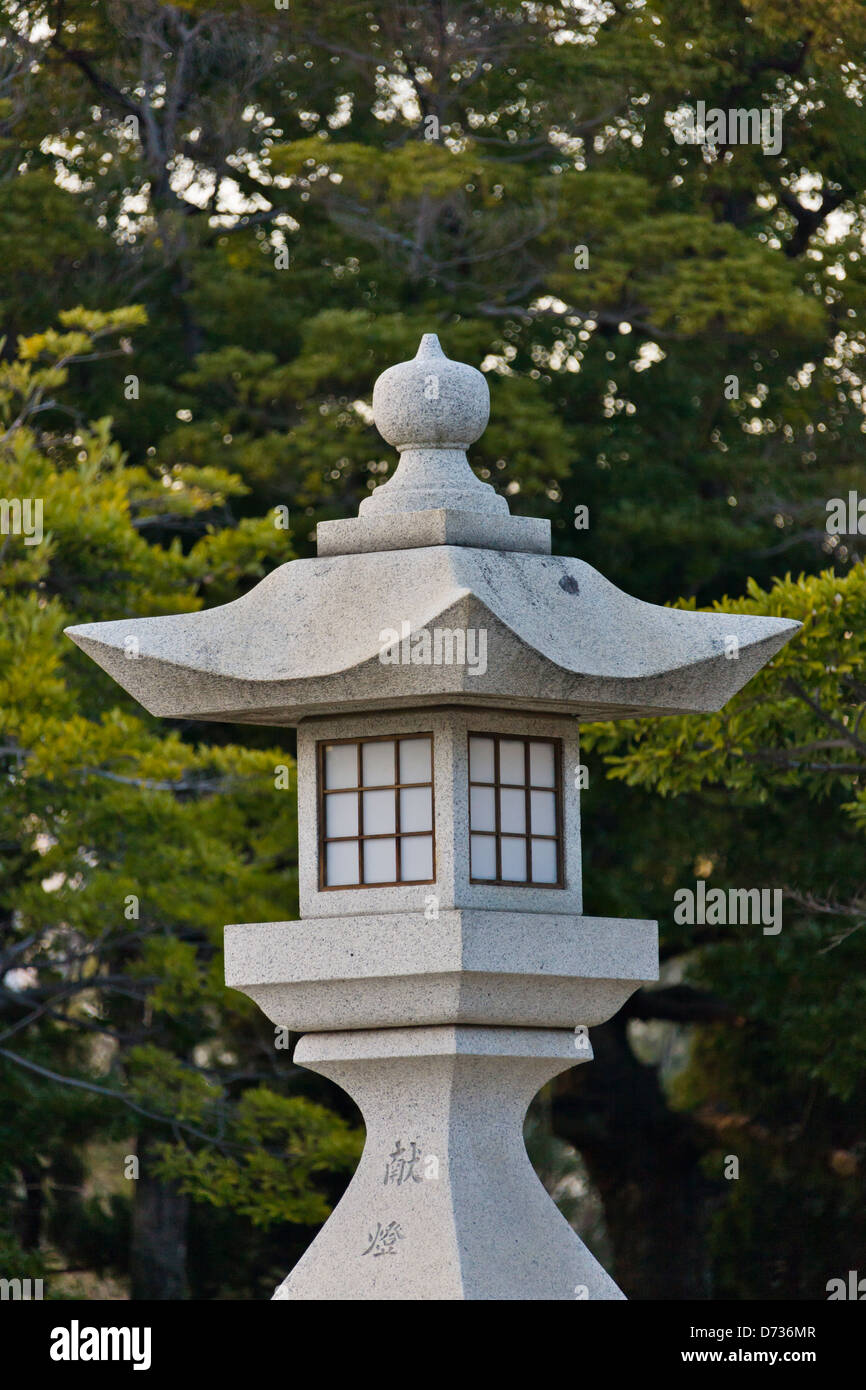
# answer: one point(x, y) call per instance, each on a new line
point(445, 1203)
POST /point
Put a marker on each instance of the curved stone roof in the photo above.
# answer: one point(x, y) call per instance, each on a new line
point(309, 640)
point(434, 551)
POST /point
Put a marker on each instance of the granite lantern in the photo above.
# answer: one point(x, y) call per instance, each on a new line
point(437, 661)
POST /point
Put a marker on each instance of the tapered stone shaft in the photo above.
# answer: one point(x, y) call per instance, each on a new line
point(445, 1203)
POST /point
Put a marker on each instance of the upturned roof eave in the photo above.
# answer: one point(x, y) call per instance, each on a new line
point(519, 677)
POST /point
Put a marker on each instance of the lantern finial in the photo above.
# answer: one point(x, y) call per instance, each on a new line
point(431, 409)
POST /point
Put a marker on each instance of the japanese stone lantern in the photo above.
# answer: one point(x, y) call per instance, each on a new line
point(437, 661)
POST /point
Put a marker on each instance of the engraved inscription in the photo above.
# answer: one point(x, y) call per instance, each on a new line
point(384, 1241)
point(402, 1164)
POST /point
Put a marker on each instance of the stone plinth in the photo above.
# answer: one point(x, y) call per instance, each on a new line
point(500, 969)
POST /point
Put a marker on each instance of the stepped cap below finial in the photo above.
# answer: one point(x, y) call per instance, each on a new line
point(430, 401)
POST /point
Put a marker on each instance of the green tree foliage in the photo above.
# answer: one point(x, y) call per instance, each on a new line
point(125, 846)
point(784, 1087)
point(672, 334)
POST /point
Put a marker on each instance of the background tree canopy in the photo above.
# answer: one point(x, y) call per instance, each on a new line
point(219, 223)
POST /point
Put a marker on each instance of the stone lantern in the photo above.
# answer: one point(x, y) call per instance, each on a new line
point(437, 661)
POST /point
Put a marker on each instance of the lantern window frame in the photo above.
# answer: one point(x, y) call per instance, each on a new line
point(360, 787)
point(528, 787)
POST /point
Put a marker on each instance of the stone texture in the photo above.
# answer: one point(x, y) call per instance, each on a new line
point(387, 970)
point(361, 534)
point(484, 1227)
point(559, 637)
